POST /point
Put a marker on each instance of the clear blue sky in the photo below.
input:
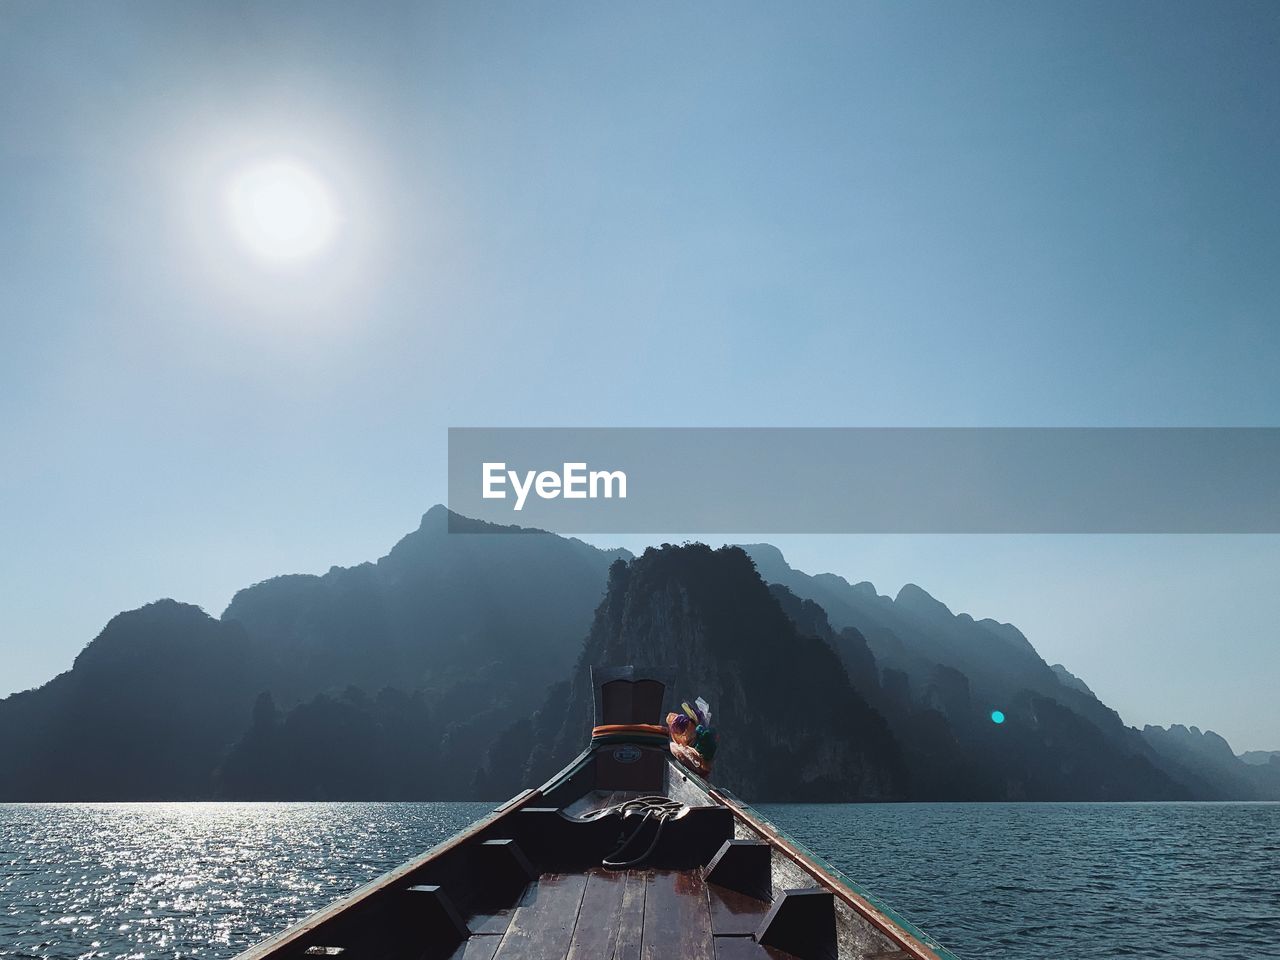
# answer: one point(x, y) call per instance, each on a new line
point(685, 214)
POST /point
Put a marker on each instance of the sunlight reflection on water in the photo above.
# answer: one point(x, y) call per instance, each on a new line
point(143, 880)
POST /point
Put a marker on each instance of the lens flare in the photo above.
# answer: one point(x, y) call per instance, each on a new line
point(997, 716)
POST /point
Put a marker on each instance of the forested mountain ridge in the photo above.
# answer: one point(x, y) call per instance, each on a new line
point(939, 666)
point(477, 625)
point(454, 666)
point(793, 726)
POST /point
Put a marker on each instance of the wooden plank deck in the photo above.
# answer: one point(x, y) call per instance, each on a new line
point(734, 914)
point(631, 921)
point(596, 933)
point(619, 915)
point(478, 947)
point(542, 926)
point(677, 918)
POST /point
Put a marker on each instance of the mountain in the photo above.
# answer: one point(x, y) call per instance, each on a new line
point(914, 632)
point(1262, 767)
point(481, 620)
point(1207, 758)
point(438, 606)
point(345, 747)
point(947, 671)
point(944, 674)
point(1069, 679)
point(142, 714)
point(478, 624)
point(1259, 757)
point(791, 725)
point(455, 667)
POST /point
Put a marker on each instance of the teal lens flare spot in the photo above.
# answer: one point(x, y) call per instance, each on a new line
point(997, 716)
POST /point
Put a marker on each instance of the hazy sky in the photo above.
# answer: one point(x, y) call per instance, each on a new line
point(692, 214)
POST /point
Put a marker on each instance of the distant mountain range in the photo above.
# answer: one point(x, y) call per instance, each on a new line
point(1260, 757)
point(467, 631)
point(949, 671)
point(456, 667)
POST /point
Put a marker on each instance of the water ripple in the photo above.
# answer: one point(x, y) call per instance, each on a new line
point(1025, 881)
point(1065, 880)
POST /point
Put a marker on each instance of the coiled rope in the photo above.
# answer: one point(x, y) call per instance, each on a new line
point(656, 808)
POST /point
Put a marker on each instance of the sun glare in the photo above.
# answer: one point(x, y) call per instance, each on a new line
point(281, 211)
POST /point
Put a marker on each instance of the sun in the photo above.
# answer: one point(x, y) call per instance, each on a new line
point(281, 211)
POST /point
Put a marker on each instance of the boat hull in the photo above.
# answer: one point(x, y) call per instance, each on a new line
point(624, 853)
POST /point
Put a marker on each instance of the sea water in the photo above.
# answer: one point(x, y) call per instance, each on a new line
point(171, 880)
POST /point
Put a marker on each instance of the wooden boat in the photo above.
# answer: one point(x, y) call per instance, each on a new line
point(623, 855)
